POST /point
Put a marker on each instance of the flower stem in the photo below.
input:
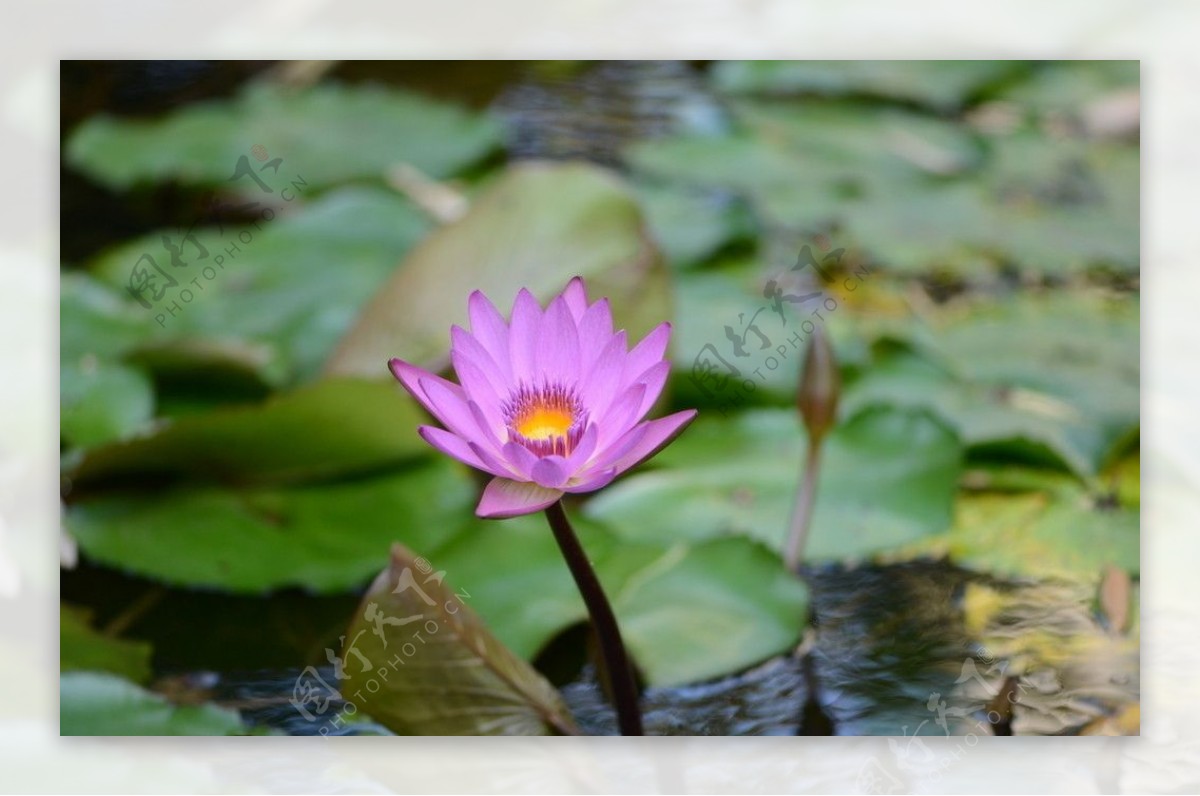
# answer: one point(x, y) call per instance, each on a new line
point(612, 648)
point(802, 513)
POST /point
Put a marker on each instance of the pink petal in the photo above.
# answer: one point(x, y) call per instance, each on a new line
point(493, 433)
point(654, 436)
point(583, 449)
point(654, 379)
point(494, 465)
point(647, 353)
point(448, 404)
point(575, 294)
point(558, 344)
point(622, 415)
point(410, 376)
point(520, 457)
point(503, 497)
point(593, 482)
point(489, 328)
point(603, 377)
point(467, 347)
point(550, 472)
point(455, 446)
point(478, 388)
point(595, 331)
point(522, 336)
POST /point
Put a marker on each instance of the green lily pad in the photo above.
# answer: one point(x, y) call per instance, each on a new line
point(324, 537)
point(887, 479)
point(446, 674)
point(94, 703)
point(325, 134)
point(729, 604)
point(1066, 85)
point(1062, 389)
point(1064, 532)
point(803, 165)
point(332, 427)
point(291, 285)
point(536, 226)
point(701, 611)
point(103, 401)
point(97, 321)
point(82, 648)
point(945, 85)
point(690, 225)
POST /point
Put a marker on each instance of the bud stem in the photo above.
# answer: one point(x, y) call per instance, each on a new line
point(802, 511)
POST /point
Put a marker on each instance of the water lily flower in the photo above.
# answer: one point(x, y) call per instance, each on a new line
point(551, 402)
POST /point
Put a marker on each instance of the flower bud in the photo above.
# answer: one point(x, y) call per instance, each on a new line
point(820, 385)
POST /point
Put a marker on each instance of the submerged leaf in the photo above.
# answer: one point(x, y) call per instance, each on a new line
point(436, 668)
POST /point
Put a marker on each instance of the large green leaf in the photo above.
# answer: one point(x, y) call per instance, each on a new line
point(687, 612)
point(325, 134)
point(332, 427)
point(1059, 532)
point(435, 667)
point(1063, 387)
point(689, 225)
point(1065, 86)
point(82, 648)
point(97, 321)
point(292, 284)
point(941, 84)
point(324, 537)
point(103, 401)
point(92, 703)
point(536, 226)
point(700, 611)
point(803, 165)
point(888, 478)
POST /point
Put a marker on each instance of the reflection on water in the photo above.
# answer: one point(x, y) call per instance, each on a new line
point(913, 649)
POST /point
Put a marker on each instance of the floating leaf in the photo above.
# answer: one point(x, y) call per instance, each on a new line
point(1063, 532)
point(723, 617)
point(1064, 387)
point(448, 674)
point(945, 85)
point(702, 611)
point(82, 648)
point(333, 427)
point(103, 401)
point(92, 703)
point(690, 225)
point(289, 286)
point(888, 477)
point(803, 166)
point(324, 537)
point(325, 134)
point(1065, 86)
point(536, 226)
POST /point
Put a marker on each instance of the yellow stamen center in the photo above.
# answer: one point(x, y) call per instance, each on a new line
point(544, 422)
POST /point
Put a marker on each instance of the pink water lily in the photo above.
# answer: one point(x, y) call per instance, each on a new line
point(551, 402)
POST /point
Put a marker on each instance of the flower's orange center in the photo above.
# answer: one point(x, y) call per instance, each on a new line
point(543, 422)
point(546, 419)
